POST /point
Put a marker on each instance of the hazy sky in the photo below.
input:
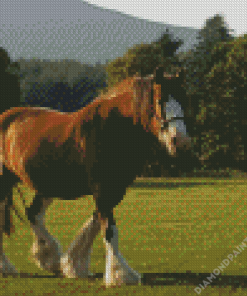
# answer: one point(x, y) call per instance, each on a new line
point(190, 13)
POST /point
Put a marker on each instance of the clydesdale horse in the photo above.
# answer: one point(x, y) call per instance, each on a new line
point(97, 151)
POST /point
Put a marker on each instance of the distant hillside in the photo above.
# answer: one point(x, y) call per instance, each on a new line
point(58, 29)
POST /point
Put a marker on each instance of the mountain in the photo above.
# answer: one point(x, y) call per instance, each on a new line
point(76, 30)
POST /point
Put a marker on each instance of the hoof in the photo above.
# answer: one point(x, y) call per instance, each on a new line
point(75, 267)
point(119, 272)
point(46, 255)
point(117, 269)
point(6, 266)
point(133, 278)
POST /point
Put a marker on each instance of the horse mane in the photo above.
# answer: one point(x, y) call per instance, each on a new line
point(132, 98)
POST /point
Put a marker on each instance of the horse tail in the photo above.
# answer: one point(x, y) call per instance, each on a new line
point(8, 180)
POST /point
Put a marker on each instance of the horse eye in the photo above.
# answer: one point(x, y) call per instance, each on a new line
point(165, 125)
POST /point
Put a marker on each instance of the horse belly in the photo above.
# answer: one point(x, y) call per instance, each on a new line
point(58, 171)
point(60, 180)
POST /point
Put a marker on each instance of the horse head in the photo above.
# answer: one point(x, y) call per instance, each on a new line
point(150, 97)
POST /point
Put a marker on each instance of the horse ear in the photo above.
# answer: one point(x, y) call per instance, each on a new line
point(159, 72)
point(182, 74)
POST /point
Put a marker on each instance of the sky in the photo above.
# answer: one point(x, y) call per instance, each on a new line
point(192, 13)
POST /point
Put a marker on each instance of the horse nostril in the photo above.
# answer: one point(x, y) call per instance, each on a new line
point(42, 241)
point(165, 126)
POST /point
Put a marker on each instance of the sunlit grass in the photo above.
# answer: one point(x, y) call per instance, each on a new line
point(189, 225)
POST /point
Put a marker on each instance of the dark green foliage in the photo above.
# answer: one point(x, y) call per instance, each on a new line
point(9, 84)
point(62, 97)
point(50, 95)
point(204, 100)
point(201, 61)
point(227, 81)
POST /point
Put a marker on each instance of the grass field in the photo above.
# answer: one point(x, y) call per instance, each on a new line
point(165, 226)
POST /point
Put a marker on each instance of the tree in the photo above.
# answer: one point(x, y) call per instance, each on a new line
point(198, 64)
point(10, 85)
point(62, 97)
point(230, 88)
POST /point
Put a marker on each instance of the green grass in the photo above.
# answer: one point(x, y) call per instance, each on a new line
point(190, 225)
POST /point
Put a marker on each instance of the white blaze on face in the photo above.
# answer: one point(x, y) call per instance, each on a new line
point(173, 110)
point(168, 136)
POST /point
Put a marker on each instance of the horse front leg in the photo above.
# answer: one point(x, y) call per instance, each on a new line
point(76, 261)
point(117, 269)
point(46, 250)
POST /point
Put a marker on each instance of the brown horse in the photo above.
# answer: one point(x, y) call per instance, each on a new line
point(97, 151)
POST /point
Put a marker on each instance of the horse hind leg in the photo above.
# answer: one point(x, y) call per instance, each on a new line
point(6, 267)
point(7, 182)
point(75, 263)
point(46, 250)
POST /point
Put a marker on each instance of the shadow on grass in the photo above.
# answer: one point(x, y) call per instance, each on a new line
point(167, 279)
point(168, 185)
